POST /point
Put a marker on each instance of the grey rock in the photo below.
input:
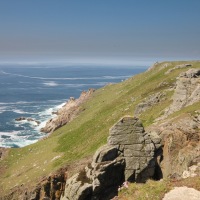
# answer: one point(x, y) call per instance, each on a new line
point(107, 175)
point(149, 102)
point(187, 91)
point(77, 190)
point(105, 153)
point(128, 156)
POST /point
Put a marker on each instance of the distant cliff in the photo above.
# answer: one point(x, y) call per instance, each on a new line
point(68, 112)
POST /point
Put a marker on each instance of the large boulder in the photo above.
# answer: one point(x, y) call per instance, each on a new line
point(135, 146)
point(128, 156)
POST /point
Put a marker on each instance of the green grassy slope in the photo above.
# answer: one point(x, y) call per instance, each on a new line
point(81, 137)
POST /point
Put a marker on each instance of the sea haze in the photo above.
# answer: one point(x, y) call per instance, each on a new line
point(36, 91)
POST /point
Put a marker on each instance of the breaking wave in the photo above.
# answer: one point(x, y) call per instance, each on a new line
point(66, 78)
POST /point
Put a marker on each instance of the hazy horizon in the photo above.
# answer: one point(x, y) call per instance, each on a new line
point(95, 31)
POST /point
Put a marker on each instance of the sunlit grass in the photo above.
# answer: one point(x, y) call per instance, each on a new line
point(81, 137)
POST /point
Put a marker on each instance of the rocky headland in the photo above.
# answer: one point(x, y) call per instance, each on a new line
point(67, 113)
point(155, 136)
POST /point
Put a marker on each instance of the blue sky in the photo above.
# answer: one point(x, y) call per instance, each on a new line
point(71, 29)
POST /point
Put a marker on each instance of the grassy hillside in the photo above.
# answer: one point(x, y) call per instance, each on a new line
point(82, 137)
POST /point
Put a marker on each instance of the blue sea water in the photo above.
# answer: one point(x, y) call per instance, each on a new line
point(36, 91)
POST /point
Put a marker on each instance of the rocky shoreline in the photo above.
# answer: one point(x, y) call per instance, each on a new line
point(28, 119)
point(67, 113)
point(63, 115)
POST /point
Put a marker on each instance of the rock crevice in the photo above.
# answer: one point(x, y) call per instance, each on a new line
point(129, 155)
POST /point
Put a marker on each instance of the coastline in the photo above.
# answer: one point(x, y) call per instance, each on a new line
point(67, 112)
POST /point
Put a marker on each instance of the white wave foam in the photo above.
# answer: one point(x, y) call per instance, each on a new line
point(20, 111)
point(46, 112)
point(51, 84)
point(57, 101)
point(67, 78)
point(10, 134)
point(59, 106)
point(25, 121)
point(42, 124)
point(3, 109)
point(17, 142)
point(29, 102)
point(18, 138)
point(11, 103)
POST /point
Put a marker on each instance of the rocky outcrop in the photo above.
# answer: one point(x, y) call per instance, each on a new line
point(128, 156)
point(28, 119)
point(67, 113)
point(159, 66)
point(192, 171)
point(187, 91)
point(178, 67)
point(180, 138)
point(149, 102)
point(49, 188)
point(136, 147)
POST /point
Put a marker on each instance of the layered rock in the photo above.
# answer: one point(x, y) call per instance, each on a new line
point(128, 156)
point(187, 91)
point(181, 140)
point(49, 188)
point(149, 102)
point(67, 113)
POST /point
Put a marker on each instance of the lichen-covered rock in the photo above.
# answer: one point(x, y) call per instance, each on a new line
point(105, 153)
point(136, 148)
point(76, 189)
point(128, 156)
point(187, 91)
point(180, 138)
point(149, 102)
point(107, 175)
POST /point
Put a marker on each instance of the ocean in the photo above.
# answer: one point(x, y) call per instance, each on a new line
point(36, 91)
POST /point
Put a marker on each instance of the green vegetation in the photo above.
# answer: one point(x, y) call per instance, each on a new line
point(155, 190)
point(81, 137)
